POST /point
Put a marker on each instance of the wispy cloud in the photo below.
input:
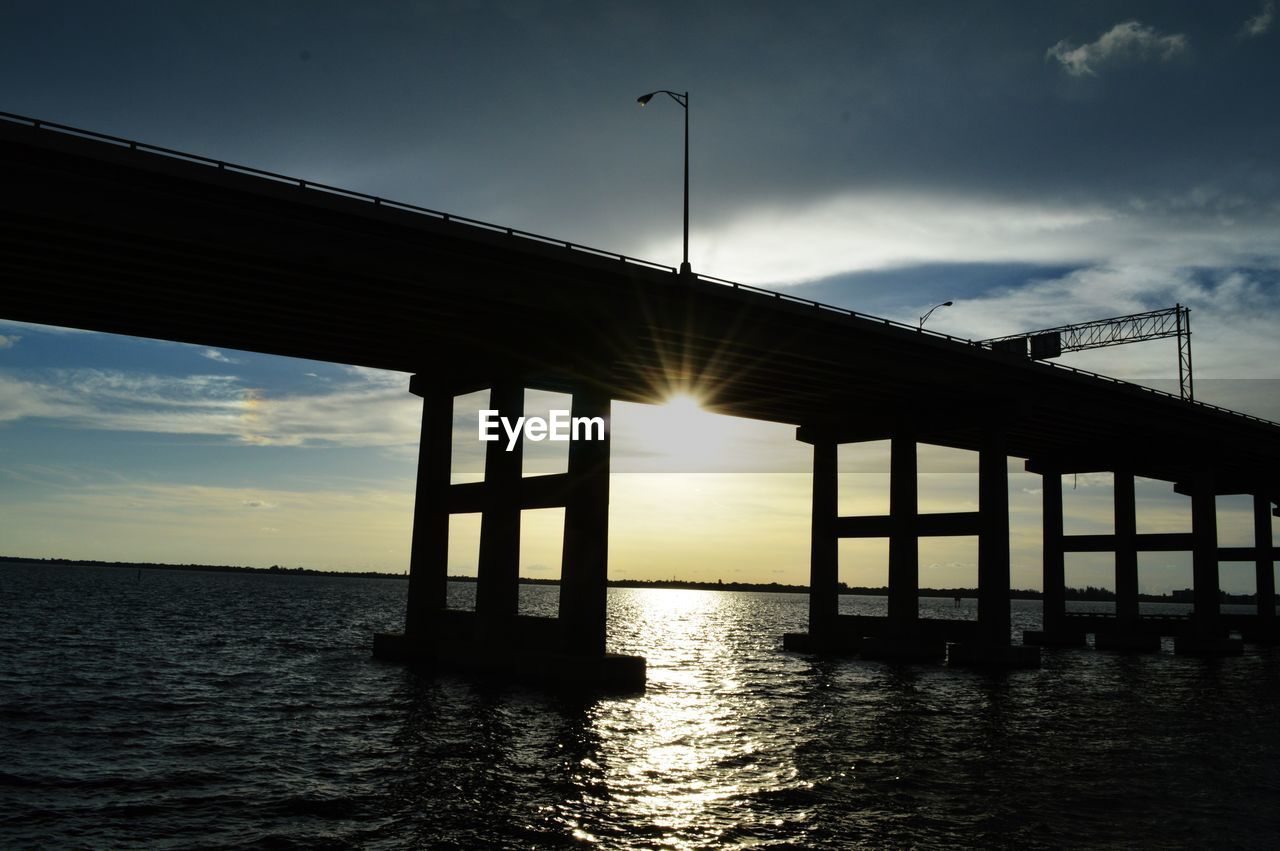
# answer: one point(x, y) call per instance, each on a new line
point(1130, 40)
point(855, 231)
point(359, 412)
point(8, 341)
point(1260, 24)
point(215, 355)
point(25, 399)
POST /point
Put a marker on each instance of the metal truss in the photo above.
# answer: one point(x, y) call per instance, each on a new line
point(1136, 327)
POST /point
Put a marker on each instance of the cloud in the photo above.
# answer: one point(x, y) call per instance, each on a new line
point(215, 355)
point(1232, 312)
point(854, 231)
point(1128, 40)
point(364, 411)
point(24, 399)
point(9, 341)
point(1260, 24)
point(377, 377)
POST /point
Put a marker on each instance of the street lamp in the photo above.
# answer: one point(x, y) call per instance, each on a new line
point(683, 100)
point(930, 311)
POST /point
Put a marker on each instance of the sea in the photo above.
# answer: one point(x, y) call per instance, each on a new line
point(150, 708)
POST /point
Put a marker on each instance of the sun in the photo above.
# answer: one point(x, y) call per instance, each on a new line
point(684, 407)
point(679, 435)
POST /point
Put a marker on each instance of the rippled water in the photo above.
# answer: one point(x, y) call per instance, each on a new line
point(175, 709)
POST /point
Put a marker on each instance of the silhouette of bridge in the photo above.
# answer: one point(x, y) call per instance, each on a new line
point(117, 236)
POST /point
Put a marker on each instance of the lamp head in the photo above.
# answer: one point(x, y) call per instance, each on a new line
point(643, 99)
point(946, 304)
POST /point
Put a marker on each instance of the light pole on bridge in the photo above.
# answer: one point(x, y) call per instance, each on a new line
point(929, 312)
point(683, 100)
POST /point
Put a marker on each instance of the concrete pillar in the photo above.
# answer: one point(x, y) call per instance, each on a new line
point(992, 646)
point(498, 582)
point(1265, 558)
point(904, 533)
point(1055, 573)
point(993, 539)
point(584, 566)
point(429, 555)
point(1204, 555)
point(1126, 538)
point(824, 552)
point(1207, 637)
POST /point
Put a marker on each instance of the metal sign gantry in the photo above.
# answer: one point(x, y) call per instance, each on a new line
point(1134, 328)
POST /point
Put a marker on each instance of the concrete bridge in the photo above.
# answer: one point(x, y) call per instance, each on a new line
point(118, 236)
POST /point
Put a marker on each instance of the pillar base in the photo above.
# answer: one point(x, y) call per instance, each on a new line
point(979, 654)
point(904, 649)
point(1200, 645)
point(1126, 642)
point(1053, 638)
point(1267, 634)
point(806, 642)
point(608, 672)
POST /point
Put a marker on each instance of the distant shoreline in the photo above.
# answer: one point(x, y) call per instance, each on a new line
point(207, 568)
point(1090, 594)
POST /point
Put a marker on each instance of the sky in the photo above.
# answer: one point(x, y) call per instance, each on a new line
point(1036, 164)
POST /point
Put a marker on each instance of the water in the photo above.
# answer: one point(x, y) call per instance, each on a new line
point(171, 709)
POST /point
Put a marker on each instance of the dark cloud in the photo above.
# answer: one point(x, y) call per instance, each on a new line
point(524, 112)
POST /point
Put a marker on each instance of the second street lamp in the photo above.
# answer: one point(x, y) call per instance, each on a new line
point(683, 100)
point(929, 312)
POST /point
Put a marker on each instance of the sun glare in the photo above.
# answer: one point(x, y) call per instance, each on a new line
point(683, 405)
point(681, 434)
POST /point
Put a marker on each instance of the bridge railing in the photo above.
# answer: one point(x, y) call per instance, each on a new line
point(516, 233)
point(314, 186)
point(866, 317)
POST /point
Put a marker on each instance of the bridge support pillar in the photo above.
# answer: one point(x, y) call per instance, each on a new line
point(993, 540)
point(903, 636)
point(1127, 634)
point(1267, 629)
point(824, 549)
point(495, 639)
point(1126, 536)
point(1265, 558)
point(904, 640)
point(1207, 636)
point(825, 624)
point(993, 647)
point(498, 568)
point(429, 553)
point(904, 535)
point(584, 566)
point(1055, 631)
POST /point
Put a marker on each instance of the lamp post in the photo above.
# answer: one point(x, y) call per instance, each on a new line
point(930, 311)
point(683, 100)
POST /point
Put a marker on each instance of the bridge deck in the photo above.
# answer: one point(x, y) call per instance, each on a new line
point(114, 237)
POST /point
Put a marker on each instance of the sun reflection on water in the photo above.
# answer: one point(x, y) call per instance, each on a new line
point(687, 758)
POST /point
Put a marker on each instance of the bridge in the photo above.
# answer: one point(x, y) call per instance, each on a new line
point(118, 236)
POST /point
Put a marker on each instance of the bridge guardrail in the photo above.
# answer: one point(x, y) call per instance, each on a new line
point(515, 233)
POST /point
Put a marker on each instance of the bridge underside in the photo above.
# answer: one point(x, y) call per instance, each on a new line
point(112, 238)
